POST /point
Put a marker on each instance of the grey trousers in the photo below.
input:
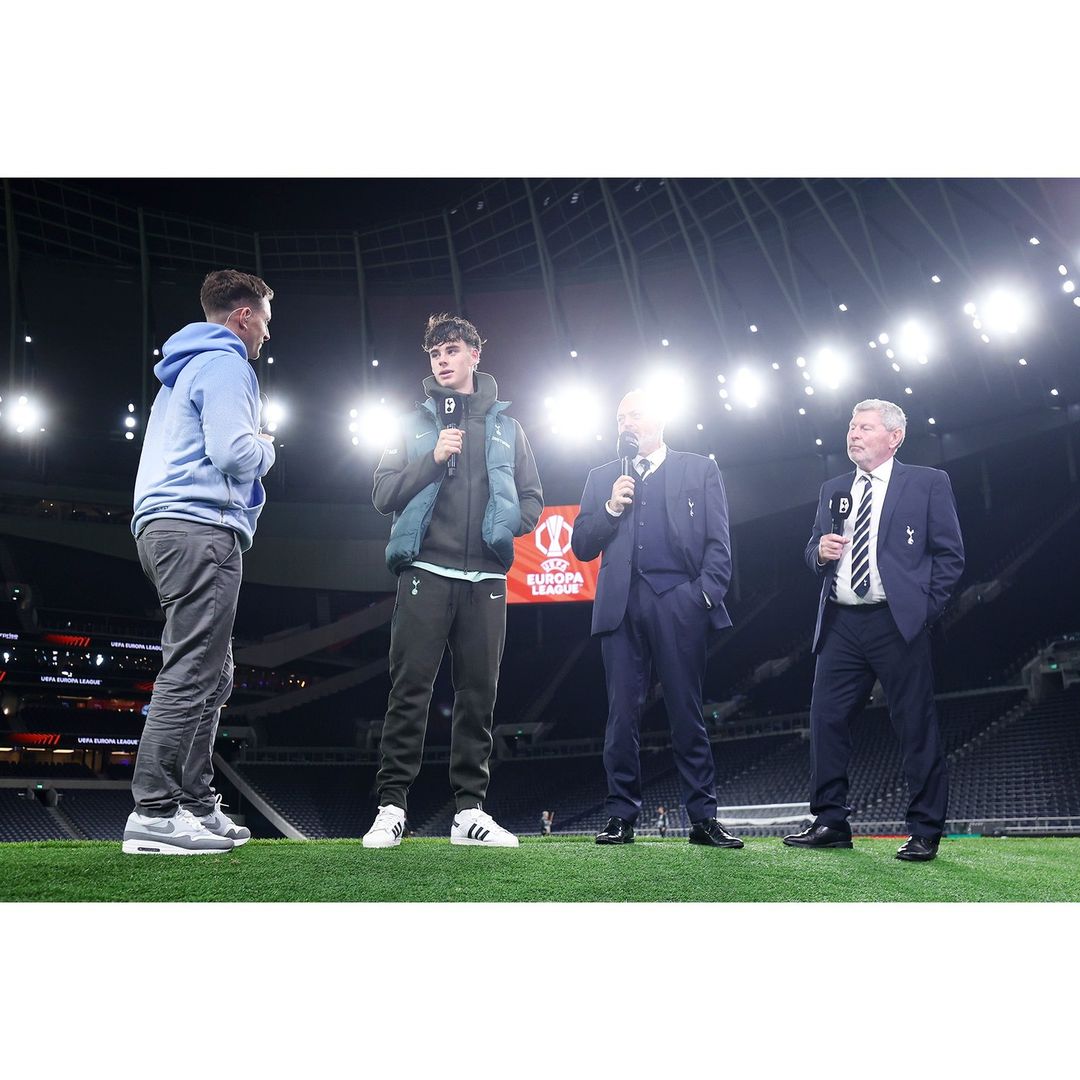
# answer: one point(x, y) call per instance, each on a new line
point(196, 570)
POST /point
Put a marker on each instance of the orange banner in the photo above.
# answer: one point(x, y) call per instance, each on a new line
point(545, 570)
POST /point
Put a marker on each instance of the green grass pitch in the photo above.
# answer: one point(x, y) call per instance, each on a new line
point(569, 869)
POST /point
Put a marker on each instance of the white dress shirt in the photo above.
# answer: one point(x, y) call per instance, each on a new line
point(879, 484)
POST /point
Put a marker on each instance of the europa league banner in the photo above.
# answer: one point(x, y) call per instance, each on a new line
point(545, 570)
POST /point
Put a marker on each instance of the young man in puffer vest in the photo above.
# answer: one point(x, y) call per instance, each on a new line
point(459, 496)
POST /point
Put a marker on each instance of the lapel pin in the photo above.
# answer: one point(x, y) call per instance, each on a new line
point(910, 535)
point(690, 503)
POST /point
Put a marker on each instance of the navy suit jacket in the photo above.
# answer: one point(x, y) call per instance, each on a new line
point(699, 533)
point(920, 569)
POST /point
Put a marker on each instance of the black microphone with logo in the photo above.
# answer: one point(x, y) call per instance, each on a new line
point(627, 451)
point(840, 509)
point(453, 415)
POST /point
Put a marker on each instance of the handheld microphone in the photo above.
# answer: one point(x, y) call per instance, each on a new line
point(627, 450)
point(453, 406)
point(840, 509)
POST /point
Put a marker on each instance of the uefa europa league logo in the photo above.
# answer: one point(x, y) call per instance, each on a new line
point(552, 538)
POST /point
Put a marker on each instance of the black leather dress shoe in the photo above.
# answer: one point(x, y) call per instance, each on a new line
point(711, 832)
point(616, 831)
point(918, 849)
point(819, 836)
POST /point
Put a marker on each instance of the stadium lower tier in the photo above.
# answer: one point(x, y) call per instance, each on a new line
point(1010, 759)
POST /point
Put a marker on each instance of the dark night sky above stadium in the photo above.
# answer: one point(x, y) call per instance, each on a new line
point(320, 203)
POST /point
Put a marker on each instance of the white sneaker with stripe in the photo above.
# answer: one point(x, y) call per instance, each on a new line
point(476, 827)
point(220, 824)
point(387, 829)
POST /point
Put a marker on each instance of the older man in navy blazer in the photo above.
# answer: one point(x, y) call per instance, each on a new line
point(665, 571)
point(886, 577)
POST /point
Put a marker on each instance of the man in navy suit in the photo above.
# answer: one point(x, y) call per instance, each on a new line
point(886, 577)
point(665, 570)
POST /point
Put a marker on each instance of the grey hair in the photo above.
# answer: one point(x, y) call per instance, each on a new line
point(892, 416)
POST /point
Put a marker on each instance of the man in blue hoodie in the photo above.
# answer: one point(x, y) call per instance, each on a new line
point(198, 496)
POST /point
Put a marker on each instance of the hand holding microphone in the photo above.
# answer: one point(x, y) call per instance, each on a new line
point(450, 438)
point(622, 494)
point(831, 545)
point(449, 444)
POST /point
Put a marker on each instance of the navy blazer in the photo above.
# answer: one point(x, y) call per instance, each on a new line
point(698, 519)
point(920, 552)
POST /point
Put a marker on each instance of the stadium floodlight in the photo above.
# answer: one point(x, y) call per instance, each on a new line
point(269, 359)
point(809, 390)
point(1063, 270)
point(753, 328)
point(574, 413)
point(376, 425)
point(935, 279)
point(914, 342)
point(830, 368)
point(1069, 286)
point(29, 340)
point(665, 342)
point(129, 421)
point(129, 435)
point(883, 338)
point(131, 406)
point(1076, 300)
point(800, 361)
point(701, 427)
point(817, 442)
point(573, 354)
point(667, 389)
point(1054, 392)
point(748, 387)
point(274, 414)
point(25, 416)
point(907, 390)
point(1022, 362)
point(931, 420)
point(841, 307)
point(802, 411)
point(1034, 241)
point(1004, 312)
point(969, 308)
point(775, 366)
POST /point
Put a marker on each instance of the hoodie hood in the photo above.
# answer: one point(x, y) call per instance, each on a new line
point(484, 395)
point(193, 339)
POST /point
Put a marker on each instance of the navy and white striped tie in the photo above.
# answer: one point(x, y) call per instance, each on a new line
point(860, 549)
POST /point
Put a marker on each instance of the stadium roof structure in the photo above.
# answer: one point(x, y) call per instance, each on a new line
point(745, 272)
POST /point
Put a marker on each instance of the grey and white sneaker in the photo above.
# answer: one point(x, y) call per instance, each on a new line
point(476, 827)
point(220, 824)
point(181, 834)
point(387, 829)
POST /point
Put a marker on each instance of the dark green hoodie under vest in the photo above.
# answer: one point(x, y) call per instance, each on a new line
point(466, 522)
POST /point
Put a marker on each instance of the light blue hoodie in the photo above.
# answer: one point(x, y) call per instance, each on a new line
point(201, 457)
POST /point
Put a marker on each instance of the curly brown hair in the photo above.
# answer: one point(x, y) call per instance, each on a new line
point(446, 327)
point(224, 291)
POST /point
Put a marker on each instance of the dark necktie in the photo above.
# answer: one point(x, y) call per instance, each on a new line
point(860, 551)
point(643, 468)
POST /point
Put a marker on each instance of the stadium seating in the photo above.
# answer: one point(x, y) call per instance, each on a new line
point(24, 818)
